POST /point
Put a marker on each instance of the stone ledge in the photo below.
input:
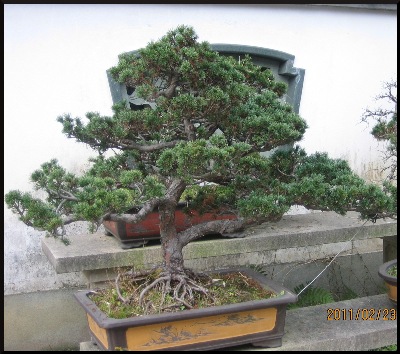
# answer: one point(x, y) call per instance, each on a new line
point(90, 252)
point(307, 329)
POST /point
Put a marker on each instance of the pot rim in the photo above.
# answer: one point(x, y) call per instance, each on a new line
point(392, 280)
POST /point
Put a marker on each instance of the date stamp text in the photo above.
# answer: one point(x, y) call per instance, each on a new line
point(365, 314)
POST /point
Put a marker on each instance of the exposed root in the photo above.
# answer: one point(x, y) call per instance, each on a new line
point(174, 290)
point(152, 285)
point(118, 290)
point(160, 291)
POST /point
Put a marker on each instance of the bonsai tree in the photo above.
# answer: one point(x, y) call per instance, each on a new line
point(385, 128)
point(200, 138)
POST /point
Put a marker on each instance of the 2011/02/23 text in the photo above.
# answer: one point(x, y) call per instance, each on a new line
point(365, 314)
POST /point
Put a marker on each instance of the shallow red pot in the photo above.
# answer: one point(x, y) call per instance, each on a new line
point(136, 235)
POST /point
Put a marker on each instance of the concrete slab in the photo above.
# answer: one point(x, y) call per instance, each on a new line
point(96, 251)
point(44, 321)
point(308, 329)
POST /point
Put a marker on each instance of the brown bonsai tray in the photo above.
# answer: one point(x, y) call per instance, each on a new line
point(259, 322)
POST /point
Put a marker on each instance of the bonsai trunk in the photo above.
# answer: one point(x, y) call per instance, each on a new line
point(171, 247)
point(170, 244)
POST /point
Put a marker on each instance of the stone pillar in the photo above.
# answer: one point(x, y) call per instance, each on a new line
point(389, 248)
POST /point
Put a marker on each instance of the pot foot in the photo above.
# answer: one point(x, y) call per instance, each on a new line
point(135, 244)
point(270, 343)
point(234, 235)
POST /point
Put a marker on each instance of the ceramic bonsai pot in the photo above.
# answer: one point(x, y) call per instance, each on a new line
point(136, 235)
point(260, 323)
point(390, 280)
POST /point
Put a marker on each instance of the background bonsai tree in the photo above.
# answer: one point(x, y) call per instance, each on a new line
point(385, 129)
point(201, 140)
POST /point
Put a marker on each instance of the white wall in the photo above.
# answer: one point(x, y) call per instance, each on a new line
point(55, 62)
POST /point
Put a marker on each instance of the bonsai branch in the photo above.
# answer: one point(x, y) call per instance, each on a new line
point(130, 145)
point(62, 194)
point(21, 213)
point(189, 129)
point(60, 206)
point(169, 92)
point(174, 191)
point(69, 219)
point(146, 209)
point(211, 227)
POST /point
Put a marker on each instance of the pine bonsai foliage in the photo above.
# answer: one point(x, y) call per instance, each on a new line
point(200, 141)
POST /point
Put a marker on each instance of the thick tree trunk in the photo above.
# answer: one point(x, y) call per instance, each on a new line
point(170, 243)
point(171, 247)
